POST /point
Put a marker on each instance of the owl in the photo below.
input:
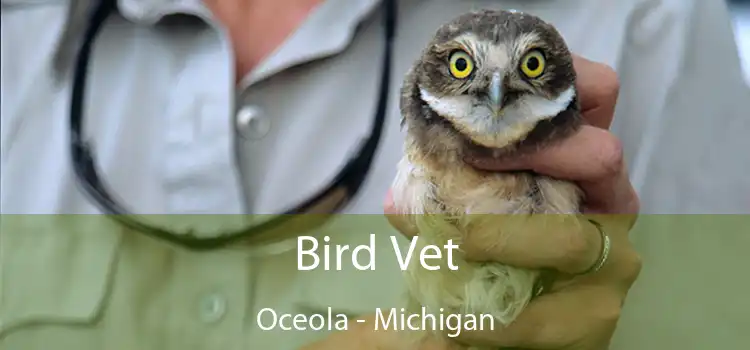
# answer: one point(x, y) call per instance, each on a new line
point(490, 83)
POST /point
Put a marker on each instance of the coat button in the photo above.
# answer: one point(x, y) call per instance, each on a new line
point(252, 124)
point(212, 308)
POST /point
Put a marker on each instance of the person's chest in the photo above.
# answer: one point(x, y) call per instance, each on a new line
point(173, 134)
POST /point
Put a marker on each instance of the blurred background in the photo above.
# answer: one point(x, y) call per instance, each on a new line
point(740, 10)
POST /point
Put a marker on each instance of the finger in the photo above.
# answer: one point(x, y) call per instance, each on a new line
point(556, 321)
point(592, 157)
point(400, 222)
point(561, 242)
point(598, 88)
point(566, 243)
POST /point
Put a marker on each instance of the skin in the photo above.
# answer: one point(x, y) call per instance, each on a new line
point(579, 313)
point(244, 19)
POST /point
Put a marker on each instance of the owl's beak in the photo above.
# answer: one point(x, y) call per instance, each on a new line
point(495, 93)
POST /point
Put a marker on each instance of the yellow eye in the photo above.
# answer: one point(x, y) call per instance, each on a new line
point(533, 64)
point(461, 64)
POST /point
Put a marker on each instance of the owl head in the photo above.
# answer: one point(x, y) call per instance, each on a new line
point(495, 77)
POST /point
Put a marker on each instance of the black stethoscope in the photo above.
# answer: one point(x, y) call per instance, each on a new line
point(291, 223)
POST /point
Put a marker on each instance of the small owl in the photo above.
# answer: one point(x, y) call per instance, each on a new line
point(490, 83)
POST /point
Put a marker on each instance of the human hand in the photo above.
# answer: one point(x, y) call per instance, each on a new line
point(579, 312)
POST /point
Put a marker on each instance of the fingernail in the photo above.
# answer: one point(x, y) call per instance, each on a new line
point(388, 205)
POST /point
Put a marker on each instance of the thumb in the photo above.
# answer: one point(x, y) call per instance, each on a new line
point(592, 157)
point(588, 155)
point(400, 222)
